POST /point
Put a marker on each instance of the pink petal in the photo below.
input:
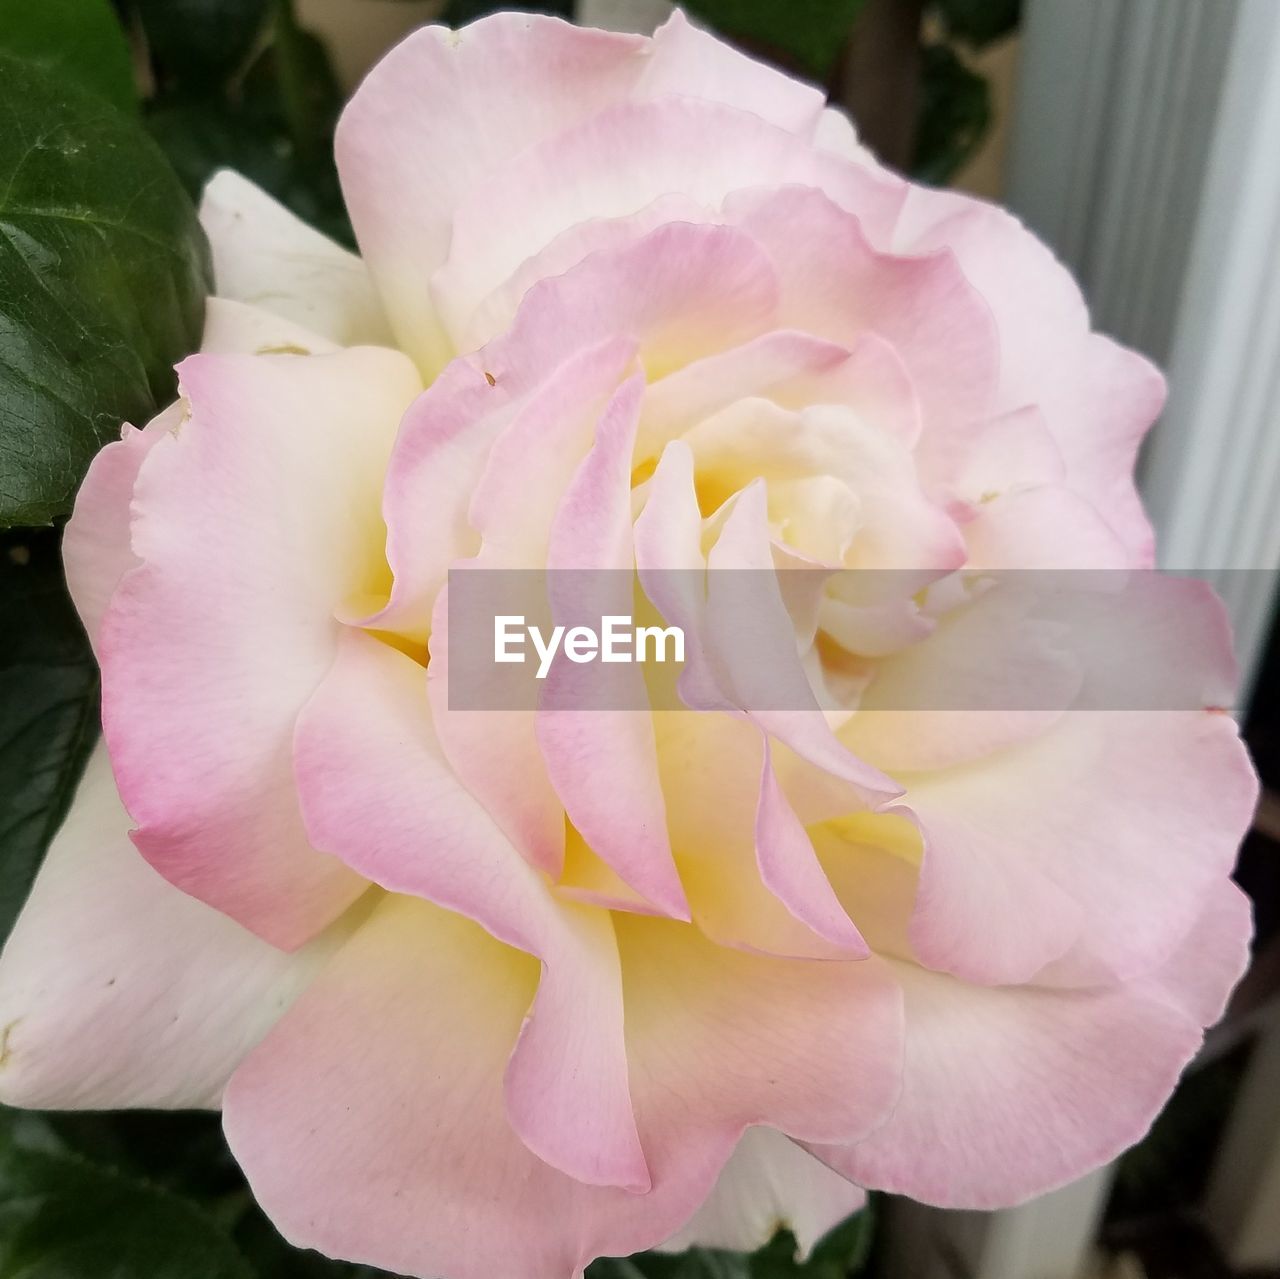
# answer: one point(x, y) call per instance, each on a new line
point(1043, 528)
point(439, 455)
point(990, 675)
point(692, 63)
point(474, 323)
point(439, 113)
point(618, 162)
point(1102, 834)
point(750, 639)
point(254, 524)
point(671, 566)
point(679, 401)
point(1012, 1091)
point(837, 285)
point(422, 1173)
point(601, 759)
point(377, 791)
point(512, 507)
point(118, 990)
point(1202, 972)
point(682, 292)
point(1098, 398)
point(790, 869)
point(97, 545)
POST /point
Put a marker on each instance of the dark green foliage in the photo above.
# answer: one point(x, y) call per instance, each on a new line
point(979, 22)
point(63, 1217)
point(103, 273)
point(77, 40)
point(196, 45)
point(838, 1255)
point(808, 35)
point(48, 708)
point(955, 114)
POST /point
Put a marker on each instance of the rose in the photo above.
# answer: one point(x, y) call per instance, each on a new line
point(497, 992)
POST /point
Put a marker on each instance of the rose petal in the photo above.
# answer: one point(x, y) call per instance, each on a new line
point(770, 1184)
point(97, 544)
point(118, 990)
point(1012, 1091)
point(254, 524)
point(268, 257)
point(428, 1005)
point(377, 791)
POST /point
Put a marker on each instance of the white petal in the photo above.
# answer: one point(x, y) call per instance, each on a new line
point(117, 989)
point(264, 255)
point(769, 1184)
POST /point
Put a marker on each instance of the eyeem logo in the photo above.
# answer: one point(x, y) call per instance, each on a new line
point(618, 640)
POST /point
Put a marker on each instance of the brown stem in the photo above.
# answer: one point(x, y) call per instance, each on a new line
point(881, 77)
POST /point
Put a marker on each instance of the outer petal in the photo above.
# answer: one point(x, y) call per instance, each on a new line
point(442, 110)
point(445, 110)
point(118, 990)
point(1201, 974)
point(264, 255)
point(690, 61)
point(255, 523)
point(1011, 1091)
point(769, 1184)
point(1098, 398)
point(423, 1174)
point(96, 547)
point(1102, 835)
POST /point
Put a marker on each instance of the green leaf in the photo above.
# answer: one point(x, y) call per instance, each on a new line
point(48, 709)
point(273, 1258)
point(837, 1255)
point(198, 44)
point(807, 34)
point(841, 1252)
point(696, 1263)
point(78, 40)
point(276, 129)
point(103, 274)
point(310, 97)
point(955, 114)
point(458, 13)
point(61, 1217)
point(252, 137)
point(980, 21)
point(614, 1268)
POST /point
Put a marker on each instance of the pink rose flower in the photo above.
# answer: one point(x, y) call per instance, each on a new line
point(495, 993)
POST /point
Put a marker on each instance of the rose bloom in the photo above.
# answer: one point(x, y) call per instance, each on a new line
point(488, 993)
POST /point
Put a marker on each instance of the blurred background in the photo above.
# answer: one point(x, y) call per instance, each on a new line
point(1141, 139)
